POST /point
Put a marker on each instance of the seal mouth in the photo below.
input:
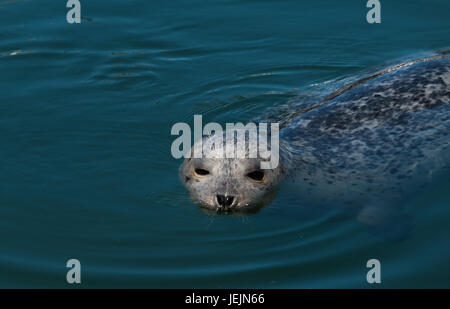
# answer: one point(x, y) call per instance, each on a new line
point(218, 209)
point(234, 210)
point(224, 210)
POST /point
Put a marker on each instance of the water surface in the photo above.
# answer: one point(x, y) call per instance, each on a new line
point(85, 120)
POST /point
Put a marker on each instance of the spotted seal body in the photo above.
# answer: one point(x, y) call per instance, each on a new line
point(379, 139)
point(372, 140)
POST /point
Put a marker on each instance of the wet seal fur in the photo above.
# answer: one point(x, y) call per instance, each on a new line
point(370, 142)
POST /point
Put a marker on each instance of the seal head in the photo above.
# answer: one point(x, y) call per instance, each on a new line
point(222, 184)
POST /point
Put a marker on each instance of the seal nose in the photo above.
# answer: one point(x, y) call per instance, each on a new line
point(224, 200)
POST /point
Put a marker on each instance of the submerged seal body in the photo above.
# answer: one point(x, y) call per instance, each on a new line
point(372, 140)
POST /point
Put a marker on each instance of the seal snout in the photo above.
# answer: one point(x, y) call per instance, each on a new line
point(224, 200)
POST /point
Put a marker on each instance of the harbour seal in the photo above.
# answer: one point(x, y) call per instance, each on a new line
point(369, 142)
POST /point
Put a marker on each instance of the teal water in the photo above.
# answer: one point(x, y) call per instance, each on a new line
point(86, 170)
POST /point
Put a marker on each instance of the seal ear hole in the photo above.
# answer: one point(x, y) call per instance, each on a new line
point(200, 172)
point(186, 178)
point(256, 175)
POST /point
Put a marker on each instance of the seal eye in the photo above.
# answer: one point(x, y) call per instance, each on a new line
point(256, 175)
point(201, 172)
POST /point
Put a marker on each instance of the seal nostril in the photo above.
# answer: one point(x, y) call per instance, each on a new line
point(224, 201)
point(229, 200)
point(220, 200)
